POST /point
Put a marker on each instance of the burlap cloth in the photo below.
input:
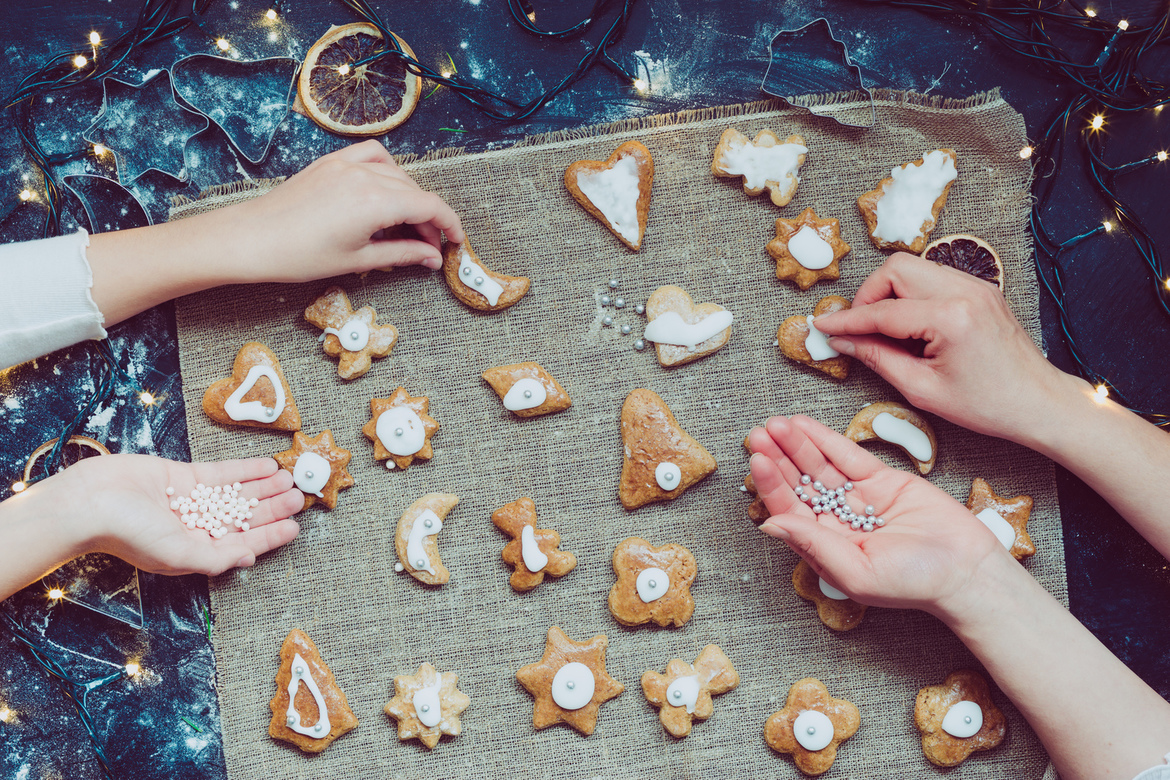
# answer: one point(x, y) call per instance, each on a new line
point(337, 580)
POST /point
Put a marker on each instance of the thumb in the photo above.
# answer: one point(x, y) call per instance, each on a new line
point(826, 550)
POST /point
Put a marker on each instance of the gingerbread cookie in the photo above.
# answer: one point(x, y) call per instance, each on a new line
point(764, 163)
point(807, 249)
point(1006, 517)
point(800, 340)
point(902, 210)
point(616, 192)
point(834, 608)
point(757, 511)
point(318, 467)
point(899, 425)
point(309, 709)
point(683, 694)
point(355, 337)
point(957, 718)
point(427, 705)
point(660, 459)
point(569, 683)
point(533, 552)
point(401, 429)
point(682, 331)
point(527, 390)
point(811, 726)
point(476, 285)
point(256, 394)
point(415, 539)
point(653, 583)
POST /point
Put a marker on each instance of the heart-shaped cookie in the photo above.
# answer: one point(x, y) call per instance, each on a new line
point(475, 284)
point(798, 339)
point(681, 331)
point(616, 192)
point(256, 394)
point(661, 460)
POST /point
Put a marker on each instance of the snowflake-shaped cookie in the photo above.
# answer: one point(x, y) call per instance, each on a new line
point(355, 337)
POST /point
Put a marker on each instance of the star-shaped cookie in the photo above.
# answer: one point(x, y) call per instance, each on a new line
point(353, 336)
point(405, 434)
point(532, 553)
point(318, 467)
point(1015, 511)
point(807, 249)
point(561, 679)
point(427, 705)
point(653, 583)
point(798, 342)
point(683, 694)
point(821, 720)
point(660, 459)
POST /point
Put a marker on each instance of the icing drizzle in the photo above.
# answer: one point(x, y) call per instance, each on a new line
point(614, 191)
point(668, 475)
point(652, 584)
point(762, 164)
point(809, 249)
point(240, 410)
point(906, 204)
point(534, 559)
point(311, 473)
point(527, 393)
point(684, 692)
point(401, 430)
point(354, 335)
point(671, 328)
point(817, 343)
point(300, 673)
point(905, 434)
point(573, 685)
point(475, 278)
point(426, 524)
point(427, 706)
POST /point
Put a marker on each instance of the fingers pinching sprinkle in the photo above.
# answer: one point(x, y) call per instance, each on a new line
point(214, 509)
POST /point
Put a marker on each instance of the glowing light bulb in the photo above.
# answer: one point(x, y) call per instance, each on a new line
point(99, 150)
point(26, 195)
point(1158, 108)
point(132, 668)
point(1025, 153)
point(445, 73)
point(1108, 226)
point(223, 44)
point(271, 14)
point(1167, 283)
point(1123, 25)
point(56, 593)
point(1162, 156)
point(18, 486)
point(641, 85)
point(94, 38)
point(80, 61)
point(1101, 393)
point(344, 69)
point(5, 714)
point(1089, 12)
point(1098, 122)
point(146, 397)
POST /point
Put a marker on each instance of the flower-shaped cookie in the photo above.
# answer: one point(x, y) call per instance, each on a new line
point(800, 340)
point(807, 249)
point(427, 705)
point(683, 694)
point(527, 390)
point(660, 460)
point(256, 394)
point(569, 683)
point(309, 709)
point(811, 726)
point(354, 336)
point(533, 552)
point(683, 331)
point(653, 583)
point(834, 608)
point(318, 467)
point(401, 429)
point(899, 425)
point(1006, 517)
point(957, 718)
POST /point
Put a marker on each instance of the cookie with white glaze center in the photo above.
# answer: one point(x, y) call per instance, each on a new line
point(683, 331)
point(660, 460)
point(476, 285)
point(616, 192)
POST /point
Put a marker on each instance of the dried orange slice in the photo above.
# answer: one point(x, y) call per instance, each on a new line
point(354, 99)
point(967, 253)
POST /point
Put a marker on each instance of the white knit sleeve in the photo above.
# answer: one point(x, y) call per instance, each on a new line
point(1160, 772)
point(45, 301)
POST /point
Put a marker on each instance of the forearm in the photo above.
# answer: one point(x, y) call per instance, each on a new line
point(1096, 718)
point(35, 539)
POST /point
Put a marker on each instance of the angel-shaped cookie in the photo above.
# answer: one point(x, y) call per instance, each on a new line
point(533, 552)
point(1007, 517)
point(427, 705)
point(800, 340)
point(355, 337)
point(660, 459)
point(764, 163)
point(653, 583)
point(811, 726)
point(899, 425)
point(318, 467)
point(807, 249)
point(569, 683)
point(256, 394)
point(401, 429)
point(683, 694)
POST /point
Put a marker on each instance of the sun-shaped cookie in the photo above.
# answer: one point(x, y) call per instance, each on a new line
point(569, 683)
point(354, 336)
point(683, 694)
point(401, 429)
point(653, 583)
point(1006, 517)
point(427, 705)
point(533, 552)
point(807, 249)
point(811, 726)
point(318, 467)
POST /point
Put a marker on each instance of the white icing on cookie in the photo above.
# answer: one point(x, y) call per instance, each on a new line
point(762, 164)
point(527, 393)
point(667, 475)
point(427, 706)
point(354, 335)
point(534, 559)
point(300, 673)
point(809, 249)
point(240, 410)
point(1001, 528)
point(652, 584)
point(401, 430)
point(963, 719)
point(573, 686)
point(905, 205)
point(905, 434)
point(311, 472)
point(614, 191)
point(683, 692)
point(813, 730)
point(476, 278)
point(817, 343)
point(671, 328)
point(830, 591)
point(426, 524)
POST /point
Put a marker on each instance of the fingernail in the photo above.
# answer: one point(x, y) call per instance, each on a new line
point(244, 562)
point(777, 531)
point(434, 263)
point(844, 346)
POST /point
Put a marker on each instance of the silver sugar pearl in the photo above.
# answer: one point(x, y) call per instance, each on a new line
point(848, 486)
point(869, 509)
point(805, 479)
point(818, 485)
point(620, 303)
point(639, 345)
point(570, 685)
point(291, 720)
point(840, 491)
point(846, 519)
point(420, 563)
point(855, 524)
point(605, 300)
point(428, 523)
point(478, 281)
point(652, 583)
point(639, 308)
point(879, 521)
point(399, 432)
point(308, 475)
point(867, 526)
point(425, 708)
point(626, 330)
point(353, 335)
point(966, 718)
point(812, 730)
point(678, 695)
point(607, 320)
point(299, 670)
point(527, 393)
point(613, 284)
point(467, 272)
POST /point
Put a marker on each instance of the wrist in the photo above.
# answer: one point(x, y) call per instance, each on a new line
point(1064, 398)
point(978, 603)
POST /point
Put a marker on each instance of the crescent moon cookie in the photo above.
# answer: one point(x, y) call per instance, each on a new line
point(527, 390)
point(318, 467)
point(800, 340)
point(355, 337)
point(834, 608)
point(958, 718)
point(616, 192)
point(533, 552)
point(902, 210)
point(807, 249)
point(764, 163)
point(416, 538)
point(660, 459)
point(1006, 517)
point(683, 331)
point(427, 705)
point(309, 709)
point(401, 429)
point(899, 425)
point(256, 394)
point(476, 285)
point(653, 583)
point(569, 683)
point(683, 694)
point(811, 726)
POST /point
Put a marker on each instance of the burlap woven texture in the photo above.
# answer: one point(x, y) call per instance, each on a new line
point(337, 580)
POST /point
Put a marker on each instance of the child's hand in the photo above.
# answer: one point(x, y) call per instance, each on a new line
point(926, 556)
